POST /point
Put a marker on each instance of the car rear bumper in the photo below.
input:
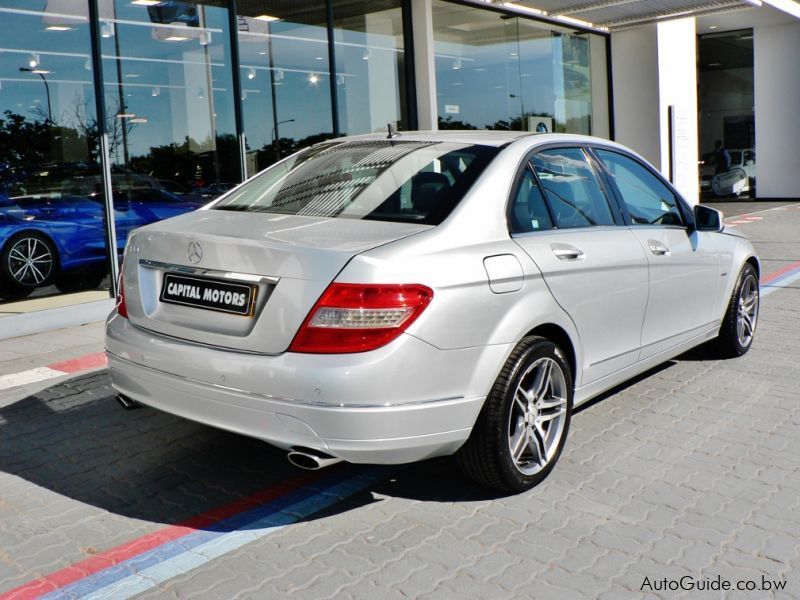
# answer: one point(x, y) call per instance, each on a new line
point(405, 402)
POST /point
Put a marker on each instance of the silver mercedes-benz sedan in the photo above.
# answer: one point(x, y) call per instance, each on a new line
point(387, 300)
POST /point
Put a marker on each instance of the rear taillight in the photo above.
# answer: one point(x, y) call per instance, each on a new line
point(122, 309)
point(351, 317)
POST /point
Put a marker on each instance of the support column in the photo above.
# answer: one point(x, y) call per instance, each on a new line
point(777, 98)
point(424, 64)
point(655, 68)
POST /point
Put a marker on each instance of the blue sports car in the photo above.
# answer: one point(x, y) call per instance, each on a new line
point(60, 236)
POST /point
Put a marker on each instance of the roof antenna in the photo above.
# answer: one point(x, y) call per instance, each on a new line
point(392, 132)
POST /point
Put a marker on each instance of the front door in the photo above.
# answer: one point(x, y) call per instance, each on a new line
point(684, 264)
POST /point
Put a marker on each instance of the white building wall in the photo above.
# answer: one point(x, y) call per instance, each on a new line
point(634, 72)
point(654, 67)
point(677, 73)
point(777, 102)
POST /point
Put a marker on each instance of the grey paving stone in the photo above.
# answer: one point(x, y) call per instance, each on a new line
point(691, 470)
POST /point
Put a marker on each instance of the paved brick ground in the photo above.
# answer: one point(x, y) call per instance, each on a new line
point(691, 470)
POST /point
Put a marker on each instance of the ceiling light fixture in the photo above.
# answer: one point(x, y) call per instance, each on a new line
point(106, 29)
point(88, 64)
point(59, 28)
point(156, 92)
point(574, 21)
point(33, 61)
point(146, 2)
point(313, 78)
point(366, 54)
point(176, 38)
point(278, 74)
point(525, 9)
point(205, 38)
point(268, 18)
point(713, 26)
point(457, 64)
point(251, 73)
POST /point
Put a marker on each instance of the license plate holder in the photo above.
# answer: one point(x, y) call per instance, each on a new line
point(209, 294)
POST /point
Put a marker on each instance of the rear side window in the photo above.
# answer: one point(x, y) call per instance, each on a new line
point(529, 211)
point(648, 199)
point(419, 182)
point(572, 188)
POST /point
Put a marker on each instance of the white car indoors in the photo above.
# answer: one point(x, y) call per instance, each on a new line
point(387, 300)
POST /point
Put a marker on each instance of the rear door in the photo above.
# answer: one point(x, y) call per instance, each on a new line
point(595, 268)
point(684, 263)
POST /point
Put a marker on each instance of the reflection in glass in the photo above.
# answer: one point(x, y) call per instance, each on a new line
point(726, 124)
point(499, 71)
point(370, 63)
point(285, 74)
point(169, 107)
point(52, 235)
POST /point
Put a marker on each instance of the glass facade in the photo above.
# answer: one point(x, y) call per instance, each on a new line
point(285, 74)
point(498, 71)
point(198, 95)
point(52, 223)
point(370, 65)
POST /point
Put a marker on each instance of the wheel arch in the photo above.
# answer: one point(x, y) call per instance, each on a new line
point(756, 265)
point(559, 336)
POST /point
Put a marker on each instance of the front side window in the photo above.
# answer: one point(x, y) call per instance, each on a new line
point(417, 182)
point(572, 188)
point(649, 200)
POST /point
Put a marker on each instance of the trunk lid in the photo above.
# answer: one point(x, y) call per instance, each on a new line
point(289, 260)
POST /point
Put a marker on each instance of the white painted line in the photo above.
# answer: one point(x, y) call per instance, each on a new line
point(29, 376)
point(758, 212)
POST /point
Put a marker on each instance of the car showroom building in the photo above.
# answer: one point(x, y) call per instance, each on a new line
point(197, 96)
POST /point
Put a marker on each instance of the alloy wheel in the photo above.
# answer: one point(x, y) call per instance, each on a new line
point(748, 310)
point(30, 261)
point(537, 416)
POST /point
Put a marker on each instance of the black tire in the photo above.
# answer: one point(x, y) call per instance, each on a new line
point(487, 456)
point(79, 280)
point(17, 281)
point(729, 343)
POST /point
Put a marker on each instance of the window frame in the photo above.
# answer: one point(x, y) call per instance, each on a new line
point(687, 214)
point(597, 169)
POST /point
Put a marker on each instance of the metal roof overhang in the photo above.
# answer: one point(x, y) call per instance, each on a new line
point(616, 15)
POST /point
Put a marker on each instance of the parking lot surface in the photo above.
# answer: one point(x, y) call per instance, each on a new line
point(690, 471)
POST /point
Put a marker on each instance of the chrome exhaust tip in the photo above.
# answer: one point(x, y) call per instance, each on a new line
point(311, 460)
point(127, 403)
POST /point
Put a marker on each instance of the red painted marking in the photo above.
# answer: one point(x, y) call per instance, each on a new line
point(82, 363)
point(782, 271)
point(113, 556)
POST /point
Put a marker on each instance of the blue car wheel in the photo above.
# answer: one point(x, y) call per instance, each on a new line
point(29, 260)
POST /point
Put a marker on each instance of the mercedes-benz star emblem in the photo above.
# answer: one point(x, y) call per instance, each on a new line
point(195, 252)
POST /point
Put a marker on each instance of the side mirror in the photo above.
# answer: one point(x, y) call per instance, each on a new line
point(707, 219)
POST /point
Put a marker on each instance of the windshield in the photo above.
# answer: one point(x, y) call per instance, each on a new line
point(387, 180)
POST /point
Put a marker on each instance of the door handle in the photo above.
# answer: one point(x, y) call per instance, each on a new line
point(567, 251)
point(658, 248)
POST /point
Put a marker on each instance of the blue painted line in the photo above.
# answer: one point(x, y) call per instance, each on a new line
point(178, 556)
point(780, 282)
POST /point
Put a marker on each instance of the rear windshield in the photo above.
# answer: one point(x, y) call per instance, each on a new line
point(418, 182)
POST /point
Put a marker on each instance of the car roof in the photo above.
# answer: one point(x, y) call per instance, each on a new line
point(482, 137)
